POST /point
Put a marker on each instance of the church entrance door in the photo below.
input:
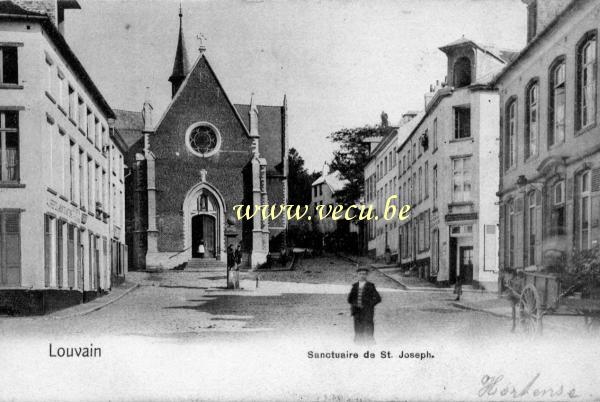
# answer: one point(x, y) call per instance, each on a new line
point(204, 229)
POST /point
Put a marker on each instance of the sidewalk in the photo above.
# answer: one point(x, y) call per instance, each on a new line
point(82, 309)
point(413, 283)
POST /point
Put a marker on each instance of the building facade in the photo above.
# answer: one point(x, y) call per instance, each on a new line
point(550, 148)
point(61, 178)
point(381, 184)
point(323, 191)
point(446, 168)
point(204, 156)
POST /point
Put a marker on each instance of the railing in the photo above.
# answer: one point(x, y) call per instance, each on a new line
point(179, 252)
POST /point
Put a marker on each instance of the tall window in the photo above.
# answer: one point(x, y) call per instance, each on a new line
point(82, 114)
point(531, 228)
point(586, 81)
point(556, 129)
point(9, 66)
point(385, 165)
point(72, 104)
point(511, 134)
point(403, 163)
point(10, 248)
point(435, 134)
point(414, 152)
point(9, 146)
point(82, 187)
point(511, 231)
point(73, 154)
point(557, 226)
point(48, 242)
point(531, 121)
point(462, 122)
point(585, 211)
point(461, 179)
point(409, 192)
point(50, 76)
point(420, 184)
point(61, 88)
point(426, 179)
point(413, 189)
point(90, 185)
point(435, 186)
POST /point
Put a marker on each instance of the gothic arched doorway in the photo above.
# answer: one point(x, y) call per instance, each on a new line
point(204, 229)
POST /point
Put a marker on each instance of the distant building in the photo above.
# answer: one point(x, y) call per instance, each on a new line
point(447, 166)
point(61, 168)
point(323, 191)
point(550, 138)
point(190, 168)
point(381, 183)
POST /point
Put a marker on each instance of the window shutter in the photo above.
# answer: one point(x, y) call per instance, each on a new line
point(570, 189)
point(596, 179)
point(12, 248)
point(538, 231)
point(595, 223)
point(47, 249)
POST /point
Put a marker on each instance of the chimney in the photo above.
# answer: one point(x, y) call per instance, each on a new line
point(384, 119)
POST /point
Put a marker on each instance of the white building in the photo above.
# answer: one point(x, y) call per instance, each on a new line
point(448, 171)
point(323, 191)
point(61, 177)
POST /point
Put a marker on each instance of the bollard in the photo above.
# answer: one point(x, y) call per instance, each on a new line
point(256, 281)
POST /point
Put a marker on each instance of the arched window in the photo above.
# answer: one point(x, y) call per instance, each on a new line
point(558, 224)
point(462, 72)
point(531, 120)
point(586, 81)
point(557, 111)
point(510, 140)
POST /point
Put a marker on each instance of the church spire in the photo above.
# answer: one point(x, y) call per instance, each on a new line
point(180, 67)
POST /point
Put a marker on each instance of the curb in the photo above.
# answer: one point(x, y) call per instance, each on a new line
point(96, 308)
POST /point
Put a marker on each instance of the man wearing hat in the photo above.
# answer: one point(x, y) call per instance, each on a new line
point(363, 297)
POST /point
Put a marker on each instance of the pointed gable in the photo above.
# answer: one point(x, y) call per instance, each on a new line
point(201, 98)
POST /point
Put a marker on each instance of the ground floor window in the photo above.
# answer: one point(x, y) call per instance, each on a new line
point(10, 248)
point(59, 252)
point(48, 247)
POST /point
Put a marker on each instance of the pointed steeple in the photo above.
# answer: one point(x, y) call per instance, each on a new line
point(180, 66)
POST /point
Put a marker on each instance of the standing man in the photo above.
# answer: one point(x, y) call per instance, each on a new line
point(363, 297)
point(230, 264)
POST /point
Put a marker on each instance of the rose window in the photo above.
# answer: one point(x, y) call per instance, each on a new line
point(203, 140)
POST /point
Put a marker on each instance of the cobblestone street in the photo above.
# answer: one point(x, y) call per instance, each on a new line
point(181, 304)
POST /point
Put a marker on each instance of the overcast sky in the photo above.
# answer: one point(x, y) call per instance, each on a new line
point(339, 62)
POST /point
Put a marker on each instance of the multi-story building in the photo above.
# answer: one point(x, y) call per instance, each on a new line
point(381, 183)
point(323, 193)
point(61, 176)
point(446, 169)
point(550, 148)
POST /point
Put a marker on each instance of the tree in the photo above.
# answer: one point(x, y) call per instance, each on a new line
point(299, 180)
point(352, 157)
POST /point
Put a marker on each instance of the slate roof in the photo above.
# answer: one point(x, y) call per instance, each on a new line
point(504, 55)
point(130, 125)
point(271, 130)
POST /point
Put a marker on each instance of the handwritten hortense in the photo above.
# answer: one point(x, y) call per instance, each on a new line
point(495, 386)
point(77, 351)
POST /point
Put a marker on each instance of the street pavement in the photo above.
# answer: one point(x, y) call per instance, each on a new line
point(310, 301)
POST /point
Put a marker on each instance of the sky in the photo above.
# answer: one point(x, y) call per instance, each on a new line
point(340, 63)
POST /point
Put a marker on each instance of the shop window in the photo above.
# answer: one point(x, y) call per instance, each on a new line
point(10, 248)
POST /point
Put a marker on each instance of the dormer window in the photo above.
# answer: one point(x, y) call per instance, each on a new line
point(462, 72)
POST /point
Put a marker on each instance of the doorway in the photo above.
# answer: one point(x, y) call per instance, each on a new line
point(466, 264)
point(452, 261)
point(203, 230)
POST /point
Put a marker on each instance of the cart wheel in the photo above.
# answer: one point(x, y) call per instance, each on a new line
point(530, 315)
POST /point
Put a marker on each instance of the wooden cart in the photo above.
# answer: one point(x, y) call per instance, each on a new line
point(537, 294)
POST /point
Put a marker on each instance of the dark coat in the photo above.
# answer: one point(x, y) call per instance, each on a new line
point(370, 297)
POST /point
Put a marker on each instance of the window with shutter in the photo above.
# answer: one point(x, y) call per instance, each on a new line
point(71, 256)
point(48, 256)
point(10, 248)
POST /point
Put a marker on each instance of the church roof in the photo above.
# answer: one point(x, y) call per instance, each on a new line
point(130, 125)
point(271, 130)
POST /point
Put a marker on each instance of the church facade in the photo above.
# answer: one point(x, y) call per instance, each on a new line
point(204, 156)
